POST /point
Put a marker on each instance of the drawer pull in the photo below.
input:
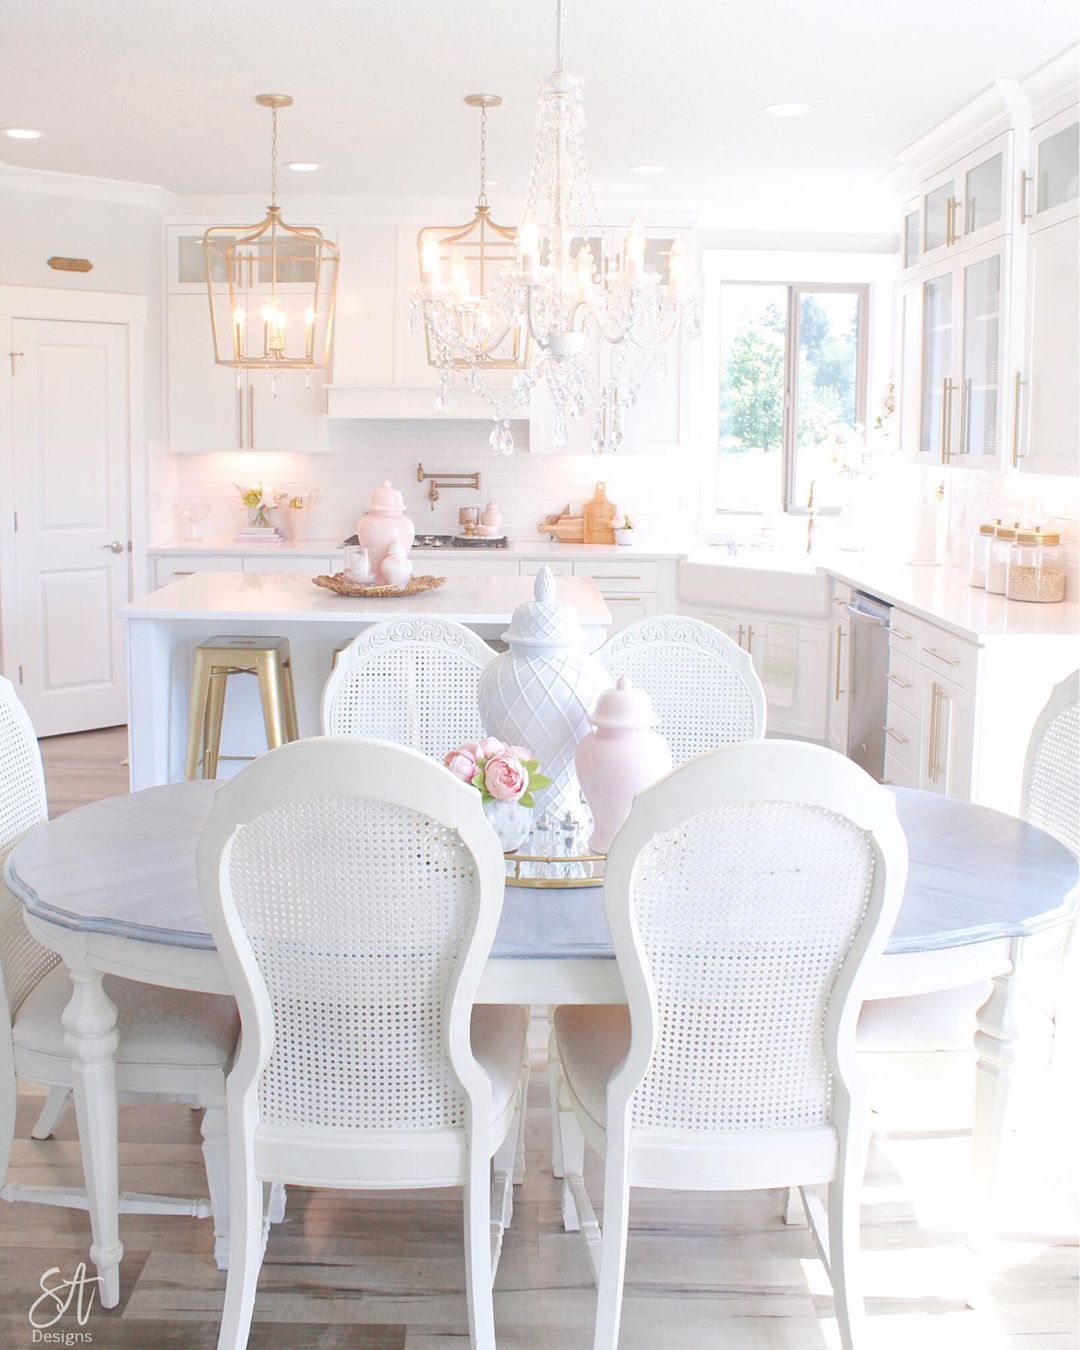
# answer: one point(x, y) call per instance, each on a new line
point(899, 632)
point(621, 576)
point(620, 596)
point(183, 574)
point(949, 661)
point(837, 691)
point(900, 740)
point(900, 684)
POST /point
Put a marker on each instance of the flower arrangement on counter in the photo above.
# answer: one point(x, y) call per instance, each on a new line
point(258, 500)
point(506, 777)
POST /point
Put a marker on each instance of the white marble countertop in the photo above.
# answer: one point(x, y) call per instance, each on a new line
point(240, 596)
point(942, 595)
point(518, 549)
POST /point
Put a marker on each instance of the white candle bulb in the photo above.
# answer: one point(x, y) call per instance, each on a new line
point(677, 266)
point(458, 277)
point(432, 260)
point(529, 246)
point(634, 248)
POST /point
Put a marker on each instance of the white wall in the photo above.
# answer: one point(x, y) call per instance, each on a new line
point(123, 242)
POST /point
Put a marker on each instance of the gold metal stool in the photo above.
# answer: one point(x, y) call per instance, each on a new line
point(268, 659)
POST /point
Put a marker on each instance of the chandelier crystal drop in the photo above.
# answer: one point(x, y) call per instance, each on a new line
point(467, 301)
point(598, 319)
point(272, 286)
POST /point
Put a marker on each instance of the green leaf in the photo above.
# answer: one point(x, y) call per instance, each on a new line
point(530, 765)
point(526, 799)
point(537, 781)
point(477, 780)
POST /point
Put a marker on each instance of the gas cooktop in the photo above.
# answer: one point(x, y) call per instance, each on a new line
point(462, 541)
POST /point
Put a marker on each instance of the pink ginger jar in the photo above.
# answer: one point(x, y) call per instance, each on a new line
point(491, 521)
point(623, 755)
point(384, 524)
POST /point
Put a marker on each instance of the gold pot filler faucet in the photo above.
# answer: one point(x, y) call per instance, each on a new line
point(436, 481)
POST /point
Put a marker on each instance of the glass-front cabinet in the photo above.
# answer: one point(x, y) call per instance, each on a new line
point(984, 195)
point(962, 399)
point(910, 237)
point(1052, 186)
point(939, 205)
point(937, 365)
point(978, 430)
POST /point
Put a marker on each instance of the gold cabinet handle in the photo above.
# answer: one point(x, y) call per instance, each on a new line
point(739, 638)
point(598, 577)
point(965, 416)
point(949, 660)
point(619, 596)
point(1025, 179)
point(945, 420)
point(931, 740)
point(750, 638)
point(1018, 384)
point(951, 236)
point(895, 735)
point(251, 417)
point(900, 684)
point(837, 691)
point(899, 632)
point(240, 416)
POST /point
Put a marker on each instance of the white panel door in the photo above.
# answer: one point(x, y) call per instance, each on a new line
point(1048, 443)
point(70, 406)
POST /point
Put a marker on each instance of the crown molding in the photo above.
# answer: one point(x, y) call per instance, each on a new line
point(51, 183)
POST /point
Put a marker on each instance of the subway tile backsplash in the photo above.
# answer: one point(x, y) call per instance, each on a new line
point(658, 491)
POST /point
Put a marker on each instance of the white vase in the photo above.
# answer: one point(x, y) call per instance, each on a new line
point(511, 822)
point(541, 691)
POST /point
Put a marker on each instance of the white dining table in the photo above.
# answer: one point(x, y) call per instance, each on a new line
point(111, 888)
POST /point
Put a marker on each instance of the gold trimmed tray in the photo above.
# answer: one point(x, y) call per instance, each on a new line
point(341, 585)
point(592, 864)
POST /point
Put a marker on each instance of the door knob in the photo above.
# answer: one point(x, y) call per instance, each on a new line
point(115, 547)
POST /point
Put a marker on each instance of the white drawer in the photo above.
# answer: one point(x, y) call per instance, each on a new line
point(614, 575)
point(902, 734)
point(437, 564)
point(626, 608)
point(841, 595)
point(948, 655)
point(897, 773)
point(288, 562)
point(560, 567)
point(904, 634)
point(173, 568)
point(905, 680)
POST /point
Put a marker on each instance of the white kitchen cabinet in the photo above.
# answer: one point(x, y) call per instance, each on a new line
point(1052, 186)
point(364, 331)
point(1045, 432)
point(964, 205)
point(312, 565)
point(212, 407)
point(962, 398)
point(171, 567)
point(910, 238)
point(839, 685)
point(796, 708)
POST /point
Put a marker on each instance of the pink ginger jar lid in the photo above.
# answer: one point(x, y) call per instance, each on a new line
point(624, 708)
point(387, 500)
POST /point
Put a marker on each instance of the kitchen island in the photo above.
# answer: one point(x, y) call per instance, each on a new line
point(165, 627)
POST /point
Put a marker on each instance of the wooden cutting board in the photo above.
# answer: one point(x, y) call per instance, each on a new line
point(566, 530)
point(599, 518)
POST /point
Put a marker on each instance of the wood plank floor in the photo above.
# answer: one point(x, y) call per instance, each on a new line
point(705, 1272)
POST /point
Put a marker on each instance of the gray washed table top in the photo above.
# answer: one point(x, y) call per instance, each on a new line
point(126, 866)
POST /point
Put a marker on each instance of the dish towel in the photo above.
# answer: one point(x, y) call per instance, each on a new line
point(781, 663)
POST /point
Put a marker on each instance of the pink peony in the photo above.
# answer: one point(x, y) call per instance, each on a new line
point(461, 764)
point(505, 778)
point(518, 752)
point(489, 747)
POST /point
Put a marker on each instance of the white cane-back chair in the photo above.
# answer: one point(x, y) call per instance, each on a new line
point(173, 1045)
point(748, 895)
point(703, 686)
point(413, 681)
point(942, 1024)
point(353, 889)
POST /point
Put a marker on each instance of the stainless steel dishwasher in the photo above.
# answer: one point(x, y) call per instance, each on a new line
point(869, 688)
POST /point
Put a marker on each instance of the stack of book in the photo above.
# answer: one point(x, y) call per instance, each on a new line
point(259, 534)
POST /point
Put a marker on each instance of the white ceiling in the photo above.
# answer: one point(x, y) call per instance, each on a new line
point(160, 92)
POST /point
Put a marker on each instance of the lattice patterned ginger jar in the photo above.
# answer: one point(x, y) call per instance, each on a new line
point(540, 693)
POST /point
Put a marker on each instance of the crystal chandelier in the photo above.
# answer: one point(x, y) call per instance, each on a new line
point(466, 299)
point(598, 324)
point(271, 286)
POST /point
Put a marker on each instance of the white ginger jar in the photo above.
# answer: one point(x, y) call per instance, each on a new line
point(541, 691)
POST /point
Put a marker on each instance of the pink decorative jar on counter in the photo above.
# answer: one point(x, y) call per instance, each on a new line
point(491, 522)
point(384, 524)
point(621, 757)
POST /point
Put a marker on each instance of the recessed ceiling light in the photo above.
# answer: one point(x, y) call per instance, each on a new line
point(302, 166)
point(22, 133)
point(648, 168)
point(787, 109)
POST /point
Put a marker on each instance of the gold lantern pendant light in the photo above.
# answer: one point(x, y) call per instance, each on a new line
point(272, 286)
point(465, 301)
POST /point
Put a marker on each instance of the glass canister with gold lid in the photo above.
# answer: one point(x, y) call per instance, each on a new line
point(1036, 572)
point(997, 558)
point(980, 553)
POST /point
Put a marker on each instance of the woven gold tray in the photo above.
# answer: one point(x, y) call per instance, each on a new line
point(592, 864)
point(341, 585)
